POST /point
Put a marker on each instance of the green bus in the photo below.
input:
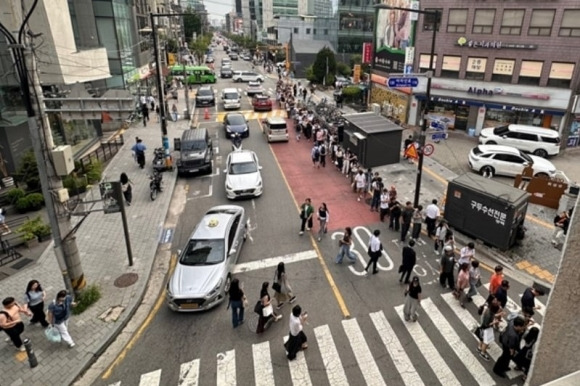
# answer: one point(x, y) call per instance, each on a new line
point(195, 74)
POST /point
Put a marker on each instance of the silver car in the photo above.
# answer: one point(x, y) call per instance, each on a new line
point(203, 273)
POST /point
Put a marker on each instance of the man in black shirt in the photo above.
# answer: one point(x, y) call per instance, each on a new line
point(406, 218)
point(409, 261)
point(529, 297)
point(510, 342)
point(501, 293)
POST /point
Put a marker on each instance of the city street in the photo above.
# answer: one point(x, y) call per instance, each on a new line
point(356, 331)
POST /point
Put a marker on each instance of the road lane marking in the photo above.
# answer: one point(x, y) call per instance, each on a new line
point(327, 274)
point(426, 347)
point(143, 327)
point(189, 373)
point(226, 369)
point(298, 368)
point(364, 356)
point(273, 261)
point(470, 323)
point(396, 351)
point(464, 354)
point(263, 371)
point(330, 358)
point(150, 379)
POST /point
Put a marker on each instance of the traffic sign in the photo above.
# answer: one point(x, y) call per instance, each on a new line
point(438, 136)
point(411, 152)
point(428, 149)
point(403, 82)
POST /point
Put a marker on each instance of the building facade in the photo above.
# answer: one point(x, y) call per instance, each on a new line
point(355, 25)
point(495, 62)
point(307, 28)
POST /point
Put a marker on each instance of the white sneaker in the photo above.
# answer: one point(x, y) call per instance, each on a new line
point(21, 348)
point(436, 252)
point(300, 233)
point(71, 345)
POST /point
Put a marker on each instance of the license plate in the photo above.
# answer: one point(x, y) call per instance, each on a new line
point(190, 306)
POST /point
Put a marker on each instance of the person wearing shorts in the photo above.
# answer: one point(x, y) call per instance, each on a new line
point(488, 321)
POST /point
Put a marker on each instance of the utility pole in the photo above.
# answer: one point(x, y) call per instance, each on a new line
point(65, 248)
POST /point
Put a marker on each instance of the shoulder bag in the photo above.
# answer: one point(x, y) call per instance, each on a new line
point(275, 285)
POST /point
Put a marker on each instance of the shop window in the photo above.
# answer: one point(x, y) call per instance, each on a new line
point(512, 20)
point(483, 21)
point(430, 21)
point(424, 62)
point(450, 74)
point(529, 80)
point(541, 22)
point(530, 73)
point(561, 75)
point(570, 23)
point(450, 67)
point(503, 70)
point(475, 69)
point(457, 20)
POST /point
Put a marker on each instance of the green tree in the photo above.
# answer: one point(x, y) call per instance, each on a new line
point(324, 66)
point(343, 69)
point(172, 46)
point(199, 46)
point(191, 23)
point(357, 59)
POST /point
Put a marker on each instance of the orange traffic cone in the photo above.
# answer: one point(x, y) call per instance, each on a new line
point(206, 113)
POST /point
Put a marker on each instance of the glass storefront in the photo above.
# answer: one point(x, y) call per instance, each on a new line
point(496, 117)
point(454, 116)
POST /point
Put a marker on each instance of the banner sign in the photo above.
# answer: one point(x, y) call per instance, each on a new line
point(393, 35)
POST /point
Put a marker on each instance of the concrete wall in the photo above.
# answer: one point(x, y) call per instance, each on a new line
point(557, 351)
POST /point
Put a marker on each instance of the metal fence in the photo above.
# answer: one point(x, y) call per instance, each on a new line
point(105, 152)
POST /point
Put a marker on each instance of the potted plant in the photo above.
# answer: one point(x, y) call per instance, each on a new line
point(35, 229)
point(43, 232)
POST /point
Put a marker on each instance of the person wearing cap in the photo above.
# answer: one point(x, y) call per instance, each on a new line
point(412, 300)
point(495, 281)
point(447, 263)
point(501, 293)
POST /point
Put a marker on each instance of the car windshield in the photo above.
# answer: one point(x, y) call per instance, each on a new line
point(205, 92)
point(243, 168)
point(230, 95)
point(203, 252)
point(236, 120)
point(193, 145)
point(502, 130)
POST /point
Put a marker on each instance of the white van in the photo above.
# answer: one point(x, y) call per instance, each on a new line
point(231, 99)
point(539, 141)
point(275, 129)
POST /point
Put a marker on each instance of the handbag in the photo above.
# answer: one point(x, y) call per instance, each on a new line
point(401, 268)
point(478, 332)
point(478, 284)
point(52, 335)
point(258, 307)
point(277, 287)
point(268, 310)
point(245, 301)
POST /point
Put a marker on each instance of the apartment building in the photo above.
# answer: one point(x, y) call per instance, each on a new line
point(495, 62)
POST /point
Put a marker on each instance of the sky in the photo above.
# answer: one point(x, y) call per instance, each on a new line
point(218, 8)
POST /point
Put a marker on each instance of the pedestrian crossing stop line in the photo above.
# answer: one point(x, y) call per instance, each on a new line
point(250, 114)
point(273, 261)
point(265, 358)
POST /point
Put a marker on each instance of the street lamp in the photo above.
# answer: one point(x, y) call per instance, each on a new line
point(422, 135)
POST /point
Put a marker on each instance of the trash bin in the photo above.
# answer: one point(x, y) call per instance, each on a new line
point(471, 132)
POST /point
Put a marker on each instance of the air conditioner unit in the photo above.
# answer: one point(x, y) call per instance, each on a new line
point(63, 161)
point(376, 108)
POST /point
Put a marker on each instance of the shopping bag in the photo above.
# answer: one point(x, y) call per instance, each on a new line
point(268, 310)
point(52, 335)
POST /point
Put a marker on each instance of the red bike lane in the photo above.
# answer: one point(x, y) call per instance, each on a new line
point(326, 185)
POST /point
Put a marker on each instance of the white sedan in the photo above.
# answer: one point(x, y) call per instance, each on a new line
point(490, 160)
point(243, 177)
point(254, 88)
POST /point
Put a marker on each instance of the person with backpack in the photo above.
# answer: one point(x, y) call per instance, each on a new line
point(34, 299)
point(315, 154)
point(59, 312)
point(126, 187)
point(11, 322)
point(322, 154)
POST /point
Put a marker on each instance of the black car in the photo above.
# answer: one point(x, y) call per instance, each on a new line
point(226, 72)
point(205, 96)
point(236, 123)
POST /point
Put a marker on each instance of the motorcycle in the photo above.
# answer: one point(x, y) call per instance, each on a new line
point(155, 184)
point(159, 159)
point(236, 141)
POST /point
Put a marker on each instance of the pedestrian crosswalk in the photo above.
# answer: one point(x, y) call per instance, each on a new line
point(250, 114)
point(372, 341)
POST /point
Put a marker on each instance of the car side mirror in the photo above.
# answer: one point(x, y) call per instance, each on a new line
point(225, 170)
point(232, 252)
point(178, 252)
point(259, 168)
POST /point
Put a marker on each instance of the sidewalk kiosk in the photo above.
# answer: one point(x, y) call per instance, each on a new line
point(486, 209)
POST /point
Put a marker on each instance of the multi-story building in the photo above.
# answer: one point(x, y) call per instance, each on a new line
point(495, 62)
point(355, 24)
point(303, 27)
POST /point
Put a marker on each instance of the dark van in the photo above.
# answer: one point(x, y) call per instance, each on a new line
point(195, 152)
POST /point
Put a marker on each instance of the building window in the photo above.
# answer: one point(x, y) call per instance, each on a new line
point(541, 22)
point(512, 20)
point(326, 32)
point(530, 73)
point(295, 30)
point(424, 62)
point(475, 68)
point(429, 21)
point(314, 31)
point(307, 31)
point(503, 70)
point(483, 21)
point(561, 75)
point(457, 20)
point(570, 23)
point(450, 66)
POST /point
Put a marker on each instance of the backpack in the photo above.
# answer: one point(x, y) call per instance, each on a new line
point(8, 318)
point(316, 152)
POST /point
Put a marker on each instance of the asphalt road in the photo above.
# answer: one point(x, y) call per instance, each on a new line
point(372, 346)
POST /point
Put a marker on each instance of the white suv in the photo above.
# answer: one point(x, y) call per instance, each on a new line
point(231, 98)
point(536, 140)
point(247, 76)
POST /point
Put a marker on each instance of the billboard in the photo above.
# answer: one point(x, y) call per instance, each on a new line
point(394, 34)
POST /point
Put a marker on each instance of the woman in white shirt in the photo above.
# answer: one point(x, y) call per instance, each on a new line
point(296, 339)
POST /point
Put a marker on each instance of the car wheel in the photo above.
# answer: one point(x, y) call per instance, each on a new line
point(487, 171)
point(491, 143)
point(541, 153)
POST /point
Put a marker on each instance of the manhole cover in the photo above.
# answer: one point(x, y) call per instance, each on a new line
point(125, 280)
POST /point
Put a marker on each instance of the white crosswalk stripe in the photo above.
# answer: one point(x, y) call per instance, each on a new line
point(396, 350)
point(438, 365)
point(333, 356)
point(461, 350)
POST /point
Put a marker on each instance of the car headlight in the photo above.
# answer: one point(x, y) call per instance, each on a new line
point(215, 290)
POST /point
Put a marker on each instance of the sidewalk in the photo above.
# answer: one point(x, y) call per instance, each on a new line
point(101, 245)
